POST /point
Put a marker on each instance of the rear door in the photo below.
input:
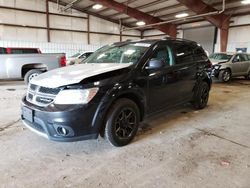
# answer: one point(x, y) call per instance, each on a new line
point(245, 63)
point(237, 65)
point(185, 67)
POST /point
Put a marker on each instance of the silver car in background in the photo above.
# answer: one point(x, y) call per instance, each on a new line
point(228, 65)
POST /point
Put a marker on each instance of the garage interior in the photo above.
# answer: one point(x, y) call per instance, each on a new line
point(178, 148)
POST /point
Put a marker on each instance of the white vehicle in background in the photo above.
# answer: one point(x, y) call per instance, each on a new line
point(78, 57)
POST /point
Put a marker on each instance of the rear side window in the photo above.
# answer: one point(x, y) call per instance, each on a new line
point(183, 52)
point(248, 57)
point(24, 51)
point(200, 54)
point(243, 57)
point(3, 51)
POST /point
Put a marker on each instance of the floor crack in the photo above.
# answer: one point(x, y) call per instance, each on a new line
point(213, 134)
point(9, 125)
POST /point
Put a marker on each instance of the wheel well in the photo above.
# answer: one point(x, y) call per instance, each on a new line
point(136, 100)
point(28, 67)
point(207, 80)
point(131, 97)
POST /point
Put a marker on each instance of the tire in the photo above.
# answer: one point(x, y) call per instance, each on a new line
point(31, 74)
point(122, 122)
point(201, 96)
point(225, 75)
point(248, 76)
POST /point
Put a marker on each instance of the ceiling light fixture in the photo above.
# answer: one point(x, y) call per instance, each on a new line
point(140, 23)
point(97, 6)
point(245, 2)
point(181, 15)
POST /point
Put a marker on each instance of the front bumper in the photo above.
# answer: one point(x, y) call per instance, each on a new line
point(48, 122)
point(215, 72)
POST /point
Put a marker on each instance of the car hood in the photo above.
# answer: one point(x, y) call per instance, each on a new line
point(216, 61)
point(75, 74)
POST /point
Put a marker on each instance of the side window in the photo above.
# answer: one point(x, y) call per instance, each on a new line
point(243, 57)
point(236, 58)
point(163, 53)
point(199, 54)
point(248, 57)
point(183, 52)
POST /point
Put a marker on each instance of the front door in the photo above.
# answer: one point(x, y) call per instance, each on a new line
point(163, 83)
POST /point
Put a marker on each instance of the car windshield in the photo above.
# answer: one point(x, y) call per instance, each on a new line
point(75, 55)
point(220, 56)
point(126, 53)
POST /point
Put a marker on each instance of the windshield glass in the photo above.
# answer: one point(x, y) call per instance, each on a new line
point(127, 53)
point(76, 55)
point(220, 56)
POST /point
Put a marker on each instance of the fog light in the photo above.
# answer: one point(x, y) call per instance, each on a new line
point(62, 131)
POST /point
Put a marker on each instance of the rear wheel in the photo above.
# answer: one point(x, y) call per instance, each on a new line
point(31, 74)
point(122, 122)
point(248, 76)
point(201, 96)
point(225, 75)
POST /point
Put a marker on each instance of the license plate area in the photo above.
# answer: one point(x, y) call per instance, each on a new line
point(28, 114)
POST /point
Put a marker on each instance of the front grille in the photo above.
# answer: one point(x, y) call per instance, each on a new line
point(52, 91)
point(41, 96)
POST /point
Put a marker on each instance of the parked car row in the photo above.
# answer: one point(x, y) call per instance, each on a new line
point(27, 63)
point(108, 92)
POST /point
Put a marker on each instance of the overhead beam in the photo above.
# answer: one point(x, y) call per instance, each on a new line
point(221, 20)
point(169, 29)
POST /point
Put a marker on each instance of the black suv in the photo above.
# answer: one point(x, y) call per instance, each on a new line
point(116, 88)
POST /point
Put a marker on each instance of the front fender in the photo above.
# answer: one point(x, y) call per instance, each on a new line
point(116, 92)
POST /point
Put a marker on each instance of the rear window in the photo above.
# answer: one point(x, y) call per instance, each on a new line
point(3, 51)
point(24, 51)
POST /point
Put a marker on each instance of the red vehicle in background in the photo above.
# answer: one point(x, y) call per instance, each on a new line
point(17, 50)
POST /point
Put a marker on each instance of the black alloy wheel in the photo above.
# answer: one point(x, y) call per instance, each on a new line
point(122, 122)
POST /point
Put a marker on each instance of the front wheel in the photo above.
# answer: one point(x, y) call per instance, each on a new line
point(201, 96)
point(31, 74)
point(225, 75)
point(122, 122)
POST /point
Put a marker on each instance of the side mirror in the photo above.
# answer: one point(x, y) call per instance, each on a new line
point(155, 64)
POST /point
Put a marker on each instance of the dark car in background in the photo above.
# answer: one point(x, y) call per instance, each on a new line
point(118, 86)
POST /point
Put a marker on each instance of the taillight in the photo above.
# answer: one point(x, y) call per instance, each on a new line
point(63, 61)
point(8, 50)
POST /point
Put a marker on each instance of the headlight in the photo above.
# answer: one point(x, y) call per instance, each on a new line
point(75, 96)
point(216, 66)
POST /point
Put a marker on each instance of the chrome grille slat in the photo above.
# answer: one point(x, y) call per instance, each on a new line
point(41, 96)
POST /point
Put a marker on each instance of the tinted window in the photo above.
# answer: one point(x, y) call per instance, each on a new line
point(183, 52)
point(24, 51)
point(163, 53)
point(199, 54)
point(3, 51)
point(248, 57)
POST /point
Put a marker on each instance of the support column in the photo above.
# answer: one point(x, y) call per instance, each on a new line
point(224, 34)
point(142, 33)
point(47, 20)
point(88, 28)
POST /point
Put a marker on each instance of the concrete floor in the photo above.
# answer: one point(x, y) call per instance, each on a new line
point(181, 148)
